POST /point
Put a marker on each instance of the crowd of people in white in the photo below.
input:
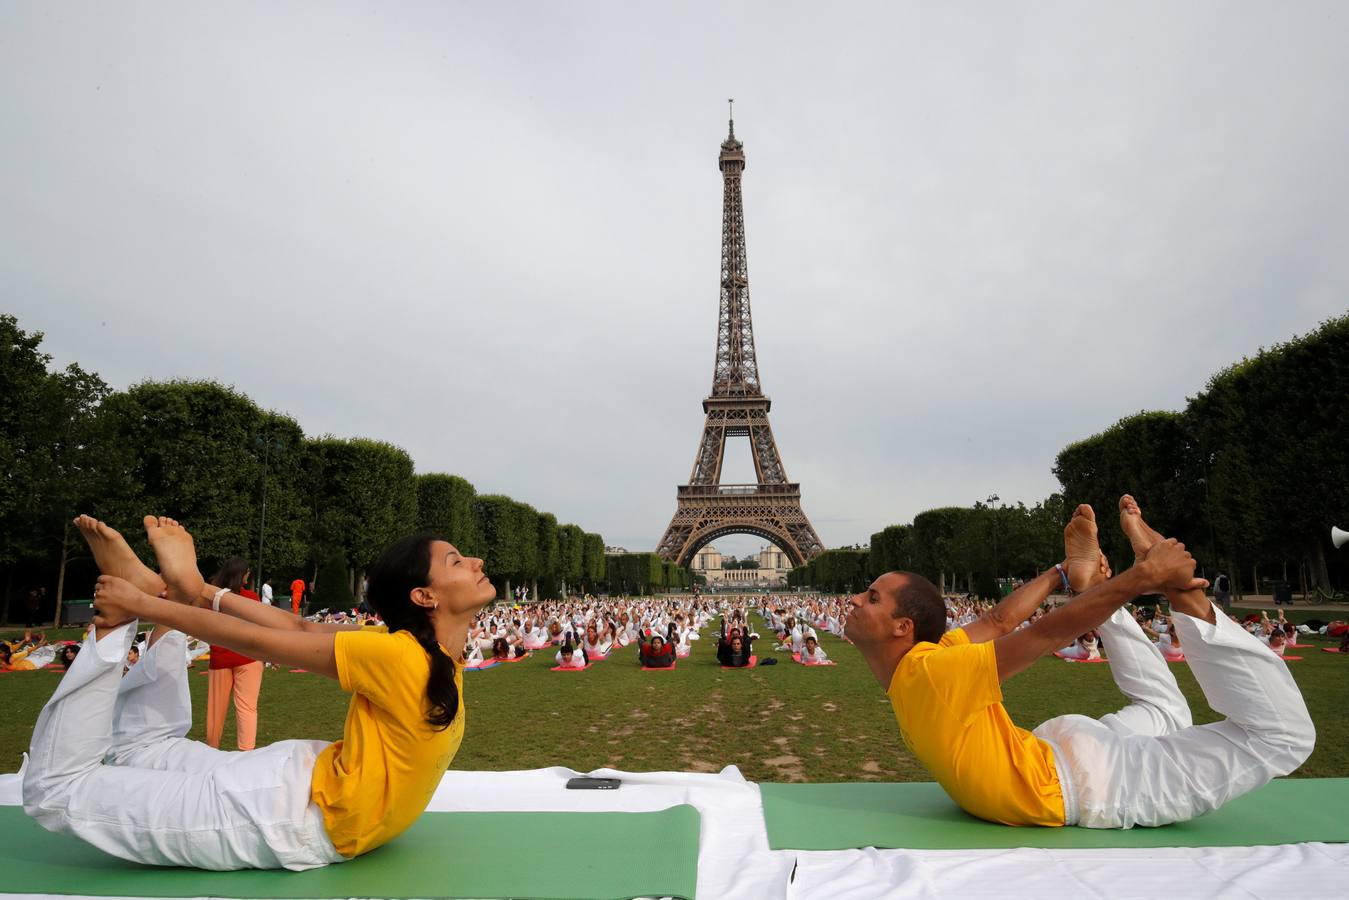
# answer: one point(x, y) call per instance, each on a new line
point(580, 631)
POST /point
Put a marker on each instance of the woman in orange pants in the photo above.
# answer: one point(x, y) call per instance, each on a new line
point(233, 674)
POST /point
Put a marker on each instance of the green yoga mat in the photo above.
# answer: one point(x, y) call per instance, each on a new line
point(921, 817)
point(479, 854)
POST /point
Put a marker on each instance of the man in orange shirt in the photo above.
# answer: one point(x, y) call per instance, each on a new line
point(296, 595)
point(1144, 765)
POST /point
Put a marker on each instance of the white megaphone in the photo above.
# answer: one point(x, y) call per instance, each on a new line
point(1339, 537)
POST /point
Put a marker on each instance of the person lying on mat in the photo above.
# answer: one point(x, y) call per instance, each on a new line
point(502, 650)
point(593, 645)
point(812, 654)
point(734, 647)
point(657, 653)
point(1168, 642)
point(1144, 765)
point(735, 653)
point(1087, 646)
point(109, 762)
point(568, 658)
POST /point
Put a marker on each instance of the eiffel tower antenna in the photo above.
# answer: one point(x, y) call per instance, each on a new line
point(705, 508)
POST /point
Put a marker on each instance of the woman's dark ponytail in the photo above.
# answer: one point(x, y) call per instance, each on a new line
point(401, 569)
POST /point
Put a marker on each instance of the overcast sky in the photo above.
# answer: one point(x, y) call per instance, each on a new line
point(490, 232)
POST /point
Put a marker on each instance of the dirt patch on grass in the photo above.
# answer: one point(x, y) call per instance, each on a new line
point(787, 766)
point(700, 765)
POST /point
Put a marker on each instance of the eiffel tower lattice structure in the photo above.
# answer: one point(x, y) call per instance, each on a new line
point(707, 509)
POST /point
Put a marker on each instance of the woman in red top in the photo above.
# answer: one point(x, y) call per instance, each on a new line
point(657, 654)
point(233, 673)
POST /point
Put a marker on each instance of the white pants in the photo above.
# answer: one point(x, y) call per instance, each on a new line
point(109, 764)
point(1148, 764)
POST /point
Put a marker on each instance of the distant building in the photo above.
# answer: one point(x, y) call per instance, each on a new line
point(772, 571)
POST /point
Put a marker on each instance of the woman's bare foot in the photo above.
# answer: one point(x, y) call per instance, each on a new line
point(1140, 534)
point(177, 557)
point(1082, 550)
point(114, 555)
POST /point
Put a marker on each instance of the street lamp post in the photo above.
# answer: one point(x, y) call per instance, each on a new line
point(267, 444)
point(991, 501)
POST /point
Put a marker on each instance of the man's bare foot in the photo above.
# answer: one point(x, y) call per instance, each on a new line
point(114, 555)
point(1140, 534)
point(1082, 550)
point(177, 557)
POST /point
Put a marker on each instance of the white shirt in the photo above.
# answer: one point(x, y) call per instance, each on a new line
point(267, 594)
point(818, 656)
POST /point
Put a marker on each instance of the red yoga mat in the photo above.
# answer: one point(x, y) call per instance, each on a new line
point(753, 661)
point(668, 668)
point(570, 668)
point(1330, 650)
point(827, 662)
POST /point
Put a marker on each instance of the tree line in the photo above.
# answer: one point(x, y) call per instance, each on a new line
point(1251, 474)
point(248, 481)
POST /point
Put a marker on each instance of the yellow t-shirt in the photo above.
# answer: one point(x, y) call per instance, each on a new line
point(948, 702)
point(377, 780)
point(18, 661)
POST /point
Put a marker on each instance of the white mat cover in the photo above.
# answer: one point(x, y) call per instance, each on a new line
point(735, 862)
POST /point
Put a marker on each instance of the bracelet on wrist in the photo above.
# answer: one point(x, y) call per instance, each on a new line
point(1063, 576)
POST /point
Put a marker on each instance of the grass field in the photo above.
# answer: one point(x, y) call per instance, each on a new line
point(779, 723)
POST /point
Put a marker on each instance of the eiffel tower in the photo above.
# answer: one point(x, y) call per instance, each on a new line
point(707, 509)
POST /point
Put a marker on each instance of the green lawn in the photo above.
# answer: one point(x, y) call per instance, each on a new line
point(780, 723)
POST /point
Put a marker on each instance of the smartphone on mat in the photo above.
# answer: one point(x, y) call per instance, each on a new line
point(592, 784)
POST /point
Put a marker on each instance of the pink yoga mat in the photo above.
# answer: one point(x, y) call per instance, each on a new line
point(1098, 659)
point(571, 668)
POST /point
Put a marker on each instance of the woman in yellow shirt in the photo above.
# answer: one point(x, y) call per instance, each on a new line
point(110, 763)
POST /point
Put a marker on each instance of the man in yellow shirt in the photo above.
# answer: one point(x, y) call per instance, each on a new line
point(1144, 765)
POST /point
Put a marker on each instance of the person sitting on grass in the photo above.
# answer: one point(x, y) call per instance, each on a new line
point(657, 653)
point(812, 654)
point(1144, 765)
point(110, 763)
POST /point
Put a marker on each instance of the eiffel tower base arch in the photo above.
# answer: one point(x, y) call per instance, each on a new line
point(770, 511)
